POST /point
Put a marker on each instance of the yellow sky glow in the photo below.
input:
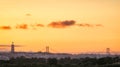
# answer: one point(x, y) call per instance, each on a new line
point(71, 38)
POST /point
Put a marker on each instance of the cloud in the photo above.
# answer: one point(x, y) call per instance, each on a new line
point(85, 25)
point(39, 25)
point(35, 26)
point(68, 22)
point(22, 26)
point(89, 25)
point(61, 24)
point(99, 25)
point(27, 26)
point(56, 24)
point(5, 27)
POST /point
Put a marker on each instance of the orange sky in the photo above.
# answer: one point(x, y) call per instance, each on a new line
point(72, 26)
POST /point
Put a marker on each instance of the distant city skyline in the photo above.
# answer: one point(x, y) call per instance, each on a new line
point(68, 26)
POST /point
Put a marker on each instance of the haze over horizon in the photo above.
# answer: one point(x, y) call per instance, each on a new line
point(68, 26)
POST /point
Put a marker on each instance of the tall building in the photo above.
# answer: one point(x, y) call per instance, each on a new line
point(12, 47)
point(108, 51)
point(47, 49)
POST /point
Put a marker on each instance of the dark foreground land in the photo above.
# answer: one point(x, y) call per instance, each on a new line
point(63, 62)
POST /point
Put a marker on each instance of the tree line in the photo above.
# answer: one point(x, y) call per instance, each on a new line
point(63, 62)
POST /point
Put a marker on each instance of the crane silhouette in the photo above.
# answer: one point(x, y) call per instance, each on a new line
point(12, 47)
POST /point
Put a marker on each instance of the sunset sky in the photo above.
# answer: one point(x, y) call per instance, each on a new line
point(69, 26)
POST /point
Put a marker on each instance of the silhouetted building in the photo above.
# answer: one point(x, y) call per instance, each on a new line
point(12, 47)
point(47, 49)
point(108, 51)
